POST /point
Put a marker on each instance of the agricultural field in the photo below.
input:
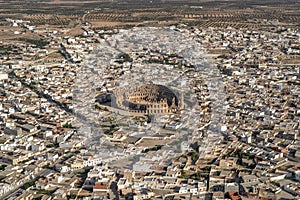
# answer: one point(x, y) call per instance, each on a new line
point(115, 13)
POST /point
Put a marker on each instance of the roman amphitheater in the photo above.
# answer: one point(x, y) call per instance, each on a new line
point(149, 99)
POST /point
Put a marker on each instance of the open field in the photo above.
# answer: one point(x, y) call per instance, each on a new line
point(234, 13)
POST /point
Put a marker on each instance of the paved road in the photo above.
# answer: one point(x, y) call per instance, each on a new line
point(12, 194)
point(272, 150)
point(114, 188)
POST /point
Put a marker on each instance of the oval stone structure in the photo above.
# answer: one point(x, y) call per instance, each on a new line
point(153, 99)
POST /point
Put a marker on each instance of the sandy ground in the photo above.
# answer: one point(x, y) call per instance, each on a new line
point(110, 23)
point(8, 33)
point(152, 142)
point(72, 2)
